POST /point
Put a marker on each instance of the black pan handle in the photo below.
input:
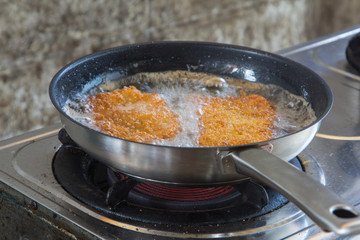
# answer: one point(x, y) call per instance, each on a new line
point(323, 206)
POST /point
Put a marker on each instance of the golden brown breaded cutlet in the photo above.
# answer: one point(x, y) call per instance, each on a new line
point(236, 120)
point(145, 117)
point(133, 115)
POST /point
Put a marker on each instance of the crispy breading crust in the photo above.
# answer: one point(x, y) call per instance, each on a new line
point(236, 121)
point(133, 115)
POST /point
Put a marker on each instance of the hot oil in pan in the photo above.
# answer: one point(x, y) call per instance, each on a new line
point(178, 87)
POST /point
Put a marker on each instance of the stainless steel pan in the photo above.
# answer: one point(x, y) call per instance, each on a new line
point(210, 165)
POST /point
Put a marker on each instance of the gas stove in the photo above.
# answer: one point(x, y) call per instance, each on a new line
point(34, 205)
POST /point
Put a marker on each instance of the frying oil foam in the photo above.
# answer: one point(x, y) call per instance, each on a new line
point(177, 88)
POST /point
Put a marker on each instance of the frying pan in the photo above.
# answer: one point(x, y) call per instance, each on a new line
point(265, 161)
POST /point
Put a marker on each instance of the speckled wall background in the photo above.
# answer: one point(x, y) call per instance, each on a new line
point(38, 37)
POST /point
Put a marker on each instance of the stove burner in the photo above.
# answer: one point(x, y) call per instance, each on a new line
point(124, 199)
point(175, 193)
point(353, 52)
point(87, 180)
point(179, 198)
point(182, 194)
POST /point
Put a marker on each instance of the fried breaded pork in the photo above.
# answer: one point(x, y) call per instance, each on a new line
point(235, 120)
point(133, 115)
point(145, 117)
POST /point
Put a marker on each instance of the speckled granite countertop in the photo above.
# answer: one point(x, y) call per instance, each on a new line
point(37, 38)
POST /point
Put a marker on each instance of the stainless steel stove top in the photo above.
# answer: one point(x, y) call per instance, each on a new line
point(27, 180)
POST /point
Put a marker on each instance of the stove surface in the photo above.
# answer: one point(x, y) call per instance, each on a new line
point(26, 165)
